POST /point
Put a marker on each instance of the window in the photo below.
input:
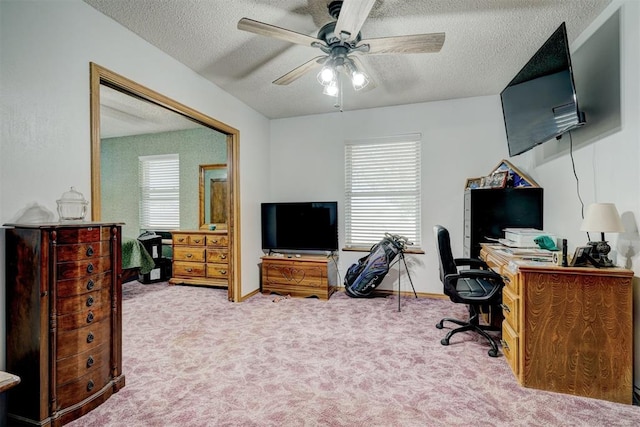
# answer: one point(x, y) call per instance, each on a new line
point(382, 189)
point(159, 179)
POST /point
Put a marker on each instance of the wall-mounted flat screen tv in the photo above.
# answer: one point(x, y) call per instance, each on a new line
point(540, 103)
point(309, 226)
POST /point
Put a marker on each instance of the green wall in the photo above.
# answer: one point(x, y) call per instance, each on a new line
point(119, 172)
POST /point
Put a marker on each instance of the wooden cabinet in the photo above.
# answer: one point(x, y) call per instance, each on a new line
point(567, 329)
point(306, 276)
point(64, 320)
point(201, 258)
point(488, 211)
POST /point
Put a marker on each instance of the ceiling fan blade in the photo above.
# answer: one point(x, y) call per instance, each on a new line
point(268, 30)
point(416, 43)
point(301, 70)
point(353, 13)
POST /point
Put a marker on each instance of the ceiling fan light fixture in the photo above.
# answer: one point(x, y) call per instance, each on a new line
point(331, 89)
point(359, 80)
point(327, 76)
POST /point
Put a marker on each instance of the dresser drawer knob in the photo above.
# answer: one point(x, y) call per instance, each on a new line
point(189, 270)
point(505, 307)
point(90, 301)
point(181, 239)
point(214, 241)
point(197, 240)
point(223, 257)
point(90, 268)
point(90, 385)
point(189, 255)
point(505, 279)
point(90, 362)
point(90, 317)
point(90, 285)
point(223, 271)
point(89, 251)
point(90, 337)
point(504, 344)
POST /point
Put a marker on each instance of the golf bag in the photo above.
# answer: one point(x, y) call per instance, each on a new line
point(365, 275)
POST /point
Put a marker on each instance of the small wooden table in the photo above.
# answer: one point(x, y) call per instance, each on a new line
point(299, 276)
point(8, 380)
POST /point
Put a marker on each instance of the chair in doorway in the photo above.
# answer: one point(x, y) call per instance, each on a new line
point(476, 286)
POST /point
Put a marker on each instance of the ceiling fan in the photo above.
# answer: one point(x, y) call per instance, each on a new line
point(341, 43)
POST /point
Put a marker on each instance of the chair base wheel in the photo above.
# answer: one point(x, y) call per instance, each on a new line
point(444, 341)
point(439, 325)
point(493, 352)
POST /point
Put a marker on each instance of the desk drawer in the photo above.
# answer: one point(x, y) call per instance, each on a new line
point(70, 368)
point(83, 234)
point(188, 239)
point(188, 254)
point(188, 269)
point(220, 271)
point(511, 281)
point(492, 262)
point(77, 269)
point(217, 256)
point(218, 241)
point(510, 347)
point(511, 308)
point(83, 251)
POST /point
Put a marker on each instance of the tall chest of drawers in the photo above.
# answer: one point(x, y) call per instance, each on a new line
point(201, 258)
point(64, 320)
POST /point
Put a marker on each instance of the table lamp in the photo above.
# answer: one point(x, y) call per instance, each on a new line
point(602, 218)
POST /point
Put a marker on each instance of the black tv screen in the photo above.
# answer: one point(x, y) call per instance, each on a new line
point(311, 226)
point(540, 103)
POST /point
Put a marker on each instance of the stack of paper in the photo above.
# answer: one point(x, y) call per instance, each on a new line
point(523, 237)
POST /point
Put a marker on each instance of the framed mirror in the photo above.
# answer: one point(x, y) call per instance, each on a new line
point(214, 192)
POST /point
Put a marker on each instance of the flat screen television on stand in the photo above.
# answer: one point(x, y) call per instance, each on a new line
point(540, 103)
point(300, 226)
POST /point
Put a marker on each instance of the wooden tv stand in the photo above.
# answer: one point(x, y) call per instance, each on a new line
point(304, 276)
point(567, 329)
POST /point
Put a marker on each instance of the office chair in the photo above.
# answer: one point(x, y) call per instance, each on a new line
point(475, 286)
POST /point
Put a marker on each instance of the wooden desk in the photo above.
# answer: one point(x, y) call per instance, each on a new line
point(567, 329)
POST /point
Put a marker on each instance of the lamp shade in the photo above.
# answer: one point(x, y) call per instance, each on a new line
point(602, 218)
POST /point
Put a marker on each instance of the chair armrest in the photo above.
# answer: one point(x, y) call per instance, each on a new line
point(477, 274)
point(471, 262)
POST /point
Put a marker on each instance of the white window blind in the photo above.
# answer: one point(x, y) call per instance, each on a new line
point(159, 179)
point(382, 189)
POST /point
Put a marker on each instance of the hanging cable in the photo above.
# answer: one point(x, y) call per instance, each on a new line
point(575, 174)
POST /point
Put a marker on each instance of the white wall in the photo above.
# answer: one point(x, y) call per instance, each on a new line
point(460, 139)
point(46, 47)
point(465, 138)
point(608, 170)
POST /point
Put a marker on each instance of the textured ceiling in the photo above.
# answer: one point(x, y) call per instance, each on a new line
point(487, 42)
point(124, 115)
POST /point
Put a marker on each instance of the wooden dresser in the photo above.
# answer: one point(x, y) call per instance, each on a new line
point(306, 276)
point(201, 258)
point(567, 329)
point(64, 320)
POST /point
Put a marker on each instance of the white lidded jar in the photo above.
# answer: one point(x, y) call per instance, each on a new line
point(72, 206)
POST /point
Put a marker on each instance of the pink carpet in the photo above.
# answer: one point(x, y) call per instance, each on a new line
point(191, 358)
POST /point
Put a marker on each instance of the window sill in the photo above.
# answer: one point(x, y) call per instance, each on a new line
point(417, 251)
